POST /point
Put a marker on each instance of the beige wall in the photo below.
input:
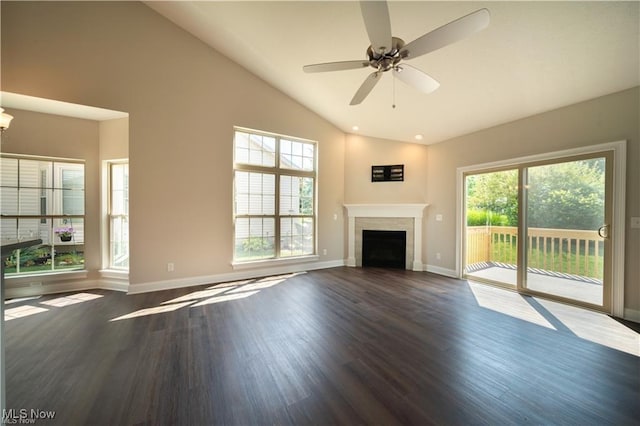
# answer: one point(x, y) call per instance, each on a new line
point(607, 119)
point(362, 152)
point(114, 139)
point(183, 100)
point(33, 133)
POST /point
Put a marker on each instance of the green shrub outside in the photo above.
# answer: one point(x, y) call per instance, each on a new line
point(479, 218)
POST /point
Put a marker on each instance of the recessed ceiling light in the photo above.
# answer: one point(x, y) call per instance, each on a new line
point(418, 137)
point(355, 128)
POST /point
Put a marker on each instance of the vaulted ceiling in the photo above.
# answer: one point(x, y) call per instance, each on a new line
point(533, 57)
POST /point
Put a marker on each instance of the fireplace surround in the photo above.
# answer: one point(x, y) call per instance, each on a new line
point(386, 217)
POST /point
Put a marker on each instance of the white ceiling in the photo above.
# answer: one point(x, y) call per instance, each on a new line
point(533, 57)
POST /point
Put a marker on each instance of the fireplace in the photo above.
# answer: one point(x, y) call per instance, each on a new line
point(384, 249)
point(386, 217)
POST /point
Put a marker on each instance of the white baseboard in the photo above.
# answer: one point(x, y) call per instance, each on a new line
point(38, 285)
point(230, 276)
point(441, 271)
point(115, 285)
point(108, 282)
point(632, 315)
point(52, 288)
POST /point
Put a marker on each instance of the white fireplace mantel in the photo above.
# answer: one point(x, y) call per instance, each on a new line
point(414, 211)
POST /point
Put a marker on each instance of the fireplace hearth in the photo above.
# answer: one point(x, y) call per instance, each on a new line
point(384, 249)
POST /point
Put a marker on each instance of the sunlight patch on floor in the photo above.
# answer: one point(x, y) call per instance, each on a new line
point(508, 303)
point(22, 311)
point(258, 285)
point(152, 311)
point(224, 292)
point(196, 295)
point(71, 299)
point(233, 283)
point(589, 325)
point(35, 308)
point(595, 327)
point(225, 298)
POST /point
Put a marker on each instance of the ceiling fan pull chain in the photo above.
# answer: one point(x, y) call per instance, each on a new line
point(393, 105)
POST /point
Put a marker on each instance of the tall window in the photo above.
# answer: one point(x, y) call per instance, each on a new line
point(119, 215)
point(42, 198)
point(274, 196)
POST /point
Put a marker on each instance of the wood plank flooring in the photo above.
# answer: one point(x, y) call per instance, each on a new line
point(336, 346)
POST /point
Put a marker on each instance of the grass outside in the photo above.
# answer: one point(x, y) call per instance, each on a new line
point(39, 260)
point(587, 265)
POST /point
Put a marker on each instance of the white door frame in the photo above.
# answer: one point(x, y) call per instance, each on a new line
point(619, 149)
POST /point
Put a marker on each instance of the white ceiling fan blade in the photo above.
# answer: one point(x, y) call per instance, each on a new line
point(366, 87)
point(378, 24)
point(447, 34)
point(416, 78)
point(335, 66)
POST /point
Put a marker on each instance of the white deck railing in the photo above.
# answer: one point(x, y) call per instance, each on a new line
point(571, 251)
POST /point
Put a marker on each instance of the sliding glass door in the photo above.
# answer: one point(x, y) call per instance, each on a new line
point(492, 226)
point(542, 228)
point(567, 219)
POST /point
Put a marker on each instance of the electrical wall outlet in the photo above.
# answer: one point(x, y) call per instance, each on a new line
point(170, 267)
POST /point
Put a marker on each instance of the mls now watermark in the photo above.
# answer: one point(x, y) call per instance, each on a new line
point(25, 416)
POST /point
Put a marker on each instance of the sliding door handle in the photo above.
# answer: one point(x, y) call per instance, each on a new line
point(603, 231)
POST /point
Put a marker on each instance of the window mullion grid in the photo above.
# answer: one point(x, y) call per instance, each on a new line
point(277, 237)
point(278, 171)
point(111, 216)
point(50, 217)
point(263, 216)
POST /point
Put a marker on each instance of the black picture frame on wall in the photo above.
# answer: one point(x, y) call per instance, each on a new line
point(393, 173)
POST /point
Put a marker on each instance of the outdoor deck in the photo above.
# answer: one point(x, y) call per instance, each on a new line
point(582, 290)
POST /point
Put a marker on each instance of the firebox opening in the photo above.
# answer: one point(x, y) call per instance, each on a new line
point(384, 249)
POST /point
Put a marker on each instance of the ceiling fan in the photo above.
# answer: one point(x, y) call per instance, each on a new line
point(386, 52)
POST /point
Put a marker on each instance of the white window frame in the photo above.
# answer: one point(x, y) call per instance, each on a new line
point(113, 216)
point(52, 193)
point(278, 170)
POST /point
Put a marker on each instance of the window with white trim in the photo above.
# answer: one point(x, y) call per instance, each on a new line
point(119, 215)
point(42, 198)
point(274, 196)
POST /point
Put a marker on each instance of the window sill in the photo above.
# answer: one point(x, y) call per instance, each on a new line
point(274, 262)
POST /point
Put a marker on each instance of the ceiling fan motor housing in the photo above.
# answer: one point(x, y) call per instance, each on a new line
point(385, 61)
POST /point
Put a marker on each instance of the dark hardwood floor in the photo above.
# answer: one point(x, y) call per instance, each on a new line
point(336, 346)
